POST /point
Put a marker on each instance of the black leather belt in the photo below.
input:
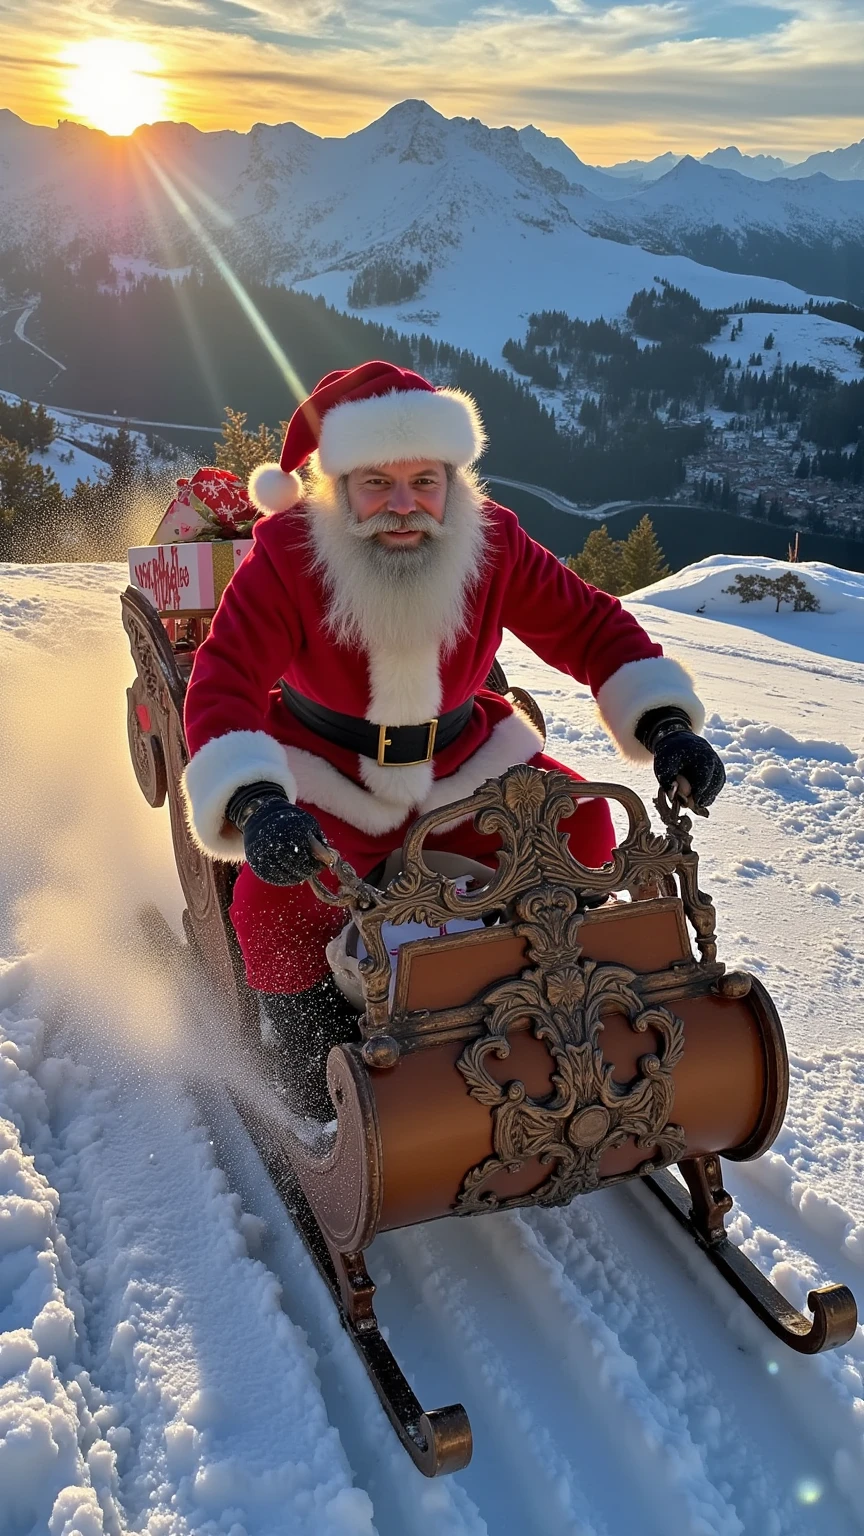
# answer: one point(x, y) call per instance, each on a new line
point(391, 746)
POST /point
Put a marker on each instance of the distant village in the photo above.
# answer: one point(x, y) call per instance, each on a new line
point(752, 469)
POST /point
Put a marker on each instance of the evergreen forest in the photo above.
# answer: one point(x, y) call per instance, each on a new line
point(180, 352)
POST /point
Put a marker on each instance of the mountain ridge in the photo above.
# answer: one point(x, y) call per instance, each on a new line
point(414, 188)
point(843, 164)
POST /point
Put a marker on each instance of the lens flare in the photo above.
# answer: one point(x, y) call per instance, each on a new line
point(229, 276)
point(114, 85)
point(808, 1491)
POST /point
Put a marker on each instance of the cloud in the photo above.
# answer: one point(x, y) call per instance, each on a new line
point(611, 79)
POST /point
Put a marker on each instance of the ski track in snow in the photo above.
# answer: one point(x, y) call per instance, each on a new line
point(169, 1360)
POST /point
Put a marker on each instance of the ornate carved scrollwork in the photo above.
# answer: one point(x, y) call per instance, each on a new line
point(587, 1112)
point(157, 744)
point(542, 890)
point(523, 809)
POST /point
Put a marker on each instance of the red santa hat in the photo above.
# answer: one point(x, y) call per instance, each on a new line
point(374, 414)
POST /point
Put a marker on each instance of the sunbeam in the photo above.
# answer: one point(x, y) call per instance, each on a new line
point(175, 258)
point(227, 273)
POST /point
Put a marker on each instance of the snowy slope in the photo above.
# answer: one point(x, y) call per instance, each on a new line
point(804, 338)
point(67, 458)
point(478, 304)
point(705, 584)
point(168, 1362)
point(554, 153)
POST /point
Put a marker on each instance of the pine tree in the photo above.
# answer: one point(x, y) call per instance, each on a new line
point(122, 454)
point(30, 499)
point(241, 451)
point(44, 429)
point(642, 560)
point(600, 561)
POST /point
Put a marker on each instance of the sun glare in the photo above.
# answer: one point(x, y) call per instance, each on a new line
point(114, 85)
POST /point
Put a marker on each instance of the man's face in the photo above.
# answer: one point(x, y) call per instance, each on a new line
point(403, 496)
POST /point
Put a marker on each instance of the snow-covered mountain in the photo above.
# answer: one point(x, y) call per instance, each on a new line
point(840, 164)
point(694, 195)
point(559, 156)
point(642, 170)
point(286, 202)
point(808, 230)
point(843, 164)
point(760, 167)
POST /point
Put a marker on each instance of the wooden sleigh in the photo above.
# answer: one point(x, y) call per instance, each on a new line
point(577, 1041)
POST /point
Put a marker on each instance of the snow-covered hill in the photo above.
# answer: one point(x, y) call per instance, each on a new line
point(168, 1362)
point(704, 588)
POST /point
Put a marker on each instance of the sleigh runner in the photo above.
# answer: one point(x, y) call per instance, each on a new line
point(573, 1040)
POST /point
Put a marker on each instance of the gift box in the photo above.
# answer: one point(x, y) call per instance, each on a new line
point(211, 504)
point(186, 578)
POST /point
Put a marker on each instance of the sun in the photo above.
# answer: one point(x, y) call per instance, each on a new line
point(114, 85)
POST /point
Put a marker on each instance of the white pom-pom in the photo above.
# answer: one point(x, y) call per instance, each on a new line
point(272, 490)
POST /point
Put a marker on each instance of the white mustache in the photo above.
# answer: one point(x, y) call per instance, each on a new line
point(398, 522)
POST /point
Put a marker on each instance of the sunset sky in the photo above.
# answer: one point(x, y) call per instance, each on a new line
point(613, 80)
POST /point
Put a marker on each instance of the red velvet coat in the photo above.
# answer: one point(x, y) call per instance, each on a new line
point(271, 625)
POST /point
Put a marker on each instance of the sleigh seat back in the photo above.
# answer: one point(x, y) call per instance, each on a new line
point(579, 1041)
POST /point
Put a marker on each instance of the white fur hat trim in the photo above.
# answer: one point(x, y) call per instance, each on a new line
point(400, 426)
point(272, 490)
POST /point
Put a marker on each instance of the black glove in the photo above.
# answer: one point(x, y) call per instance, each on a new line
point(276, 834)
point(678, 751)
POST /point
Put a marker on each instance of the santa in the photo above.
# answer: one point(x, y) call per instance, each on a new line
point(340, 692)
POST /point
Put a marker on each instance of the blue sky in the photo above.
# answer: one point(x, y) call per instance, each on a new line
point(613, 80)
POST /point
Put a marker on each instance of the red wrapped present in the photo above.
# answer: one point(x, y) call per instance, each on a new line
point(214, 504)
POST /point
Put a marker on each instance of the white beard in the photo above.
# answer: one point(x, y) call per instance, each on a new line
point(406, 608)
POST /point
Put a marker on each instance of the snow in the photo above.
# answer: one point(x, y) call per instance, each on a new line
point(844, 164)
point(131, 269)
point(169, 1362)
point(65, 457)
point(582, 274)
point(69, 464)
point(444, 192)
point(797, 339)
point(704, 586)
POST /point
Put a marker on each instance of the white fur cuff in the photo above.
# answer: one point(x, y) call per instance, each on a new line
point(642, 685)
point(224, 765)
point(442, 424)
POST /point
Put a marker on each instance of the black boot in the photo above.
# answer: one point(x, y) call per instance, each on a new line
point(303, 1026)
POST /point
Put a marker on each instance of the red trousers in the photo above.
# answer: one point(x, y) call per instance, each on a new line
point(284, 930)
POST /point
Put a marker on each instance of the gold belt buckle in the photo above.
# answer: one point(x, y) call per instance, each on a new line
point(384, 741)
